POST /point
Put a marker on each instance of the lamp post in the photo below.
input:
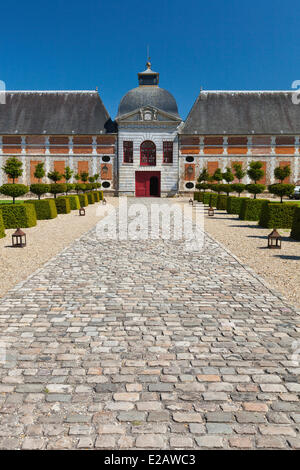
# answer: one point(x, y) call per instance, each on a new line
point(82, 211)
point(191, 202)
point(211, 212)
point(274, 240)
point(18, 239)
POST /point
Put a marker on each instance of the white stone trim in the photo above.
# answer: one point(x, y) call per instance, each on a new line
point(225, 145)
point(70, 145)
point(249, 145)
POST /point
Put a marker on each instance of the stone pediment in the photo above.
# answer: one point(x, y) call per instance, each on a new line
point(148, 114)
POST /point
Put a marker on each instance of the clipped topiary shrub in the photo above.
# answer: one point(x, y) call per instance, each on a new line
point(62, 205)
point(57, 188)
point(96, 196)
point(39, 189)
point(200, 197)
point(277, 215)
point(295, 233)
point(74, 201)
point(213, 200)
point(2, 228)
point(91, 198)
point(14, 190)
point(251, 208)
point(206, 198)
point(18, 215)
point(222, 202)
point(83, 200)
point(45, 208)
point(234, 204)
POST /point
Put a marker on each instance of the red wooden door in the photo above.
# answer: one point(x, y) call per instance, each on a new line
point(143, 183)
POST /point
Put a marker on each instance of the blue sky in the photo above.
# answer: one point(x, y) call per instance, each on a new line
point(232, 44)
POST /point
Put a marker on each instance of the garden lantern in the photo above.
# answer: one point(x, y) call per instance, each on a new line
point(211, 212)
point(104, 201)
point(82, 211)
point(191, 202)
point(18, 239)
point(274, 240)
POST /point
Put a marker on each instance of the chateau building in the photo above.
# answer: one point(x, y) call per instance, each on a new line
point(149, 150)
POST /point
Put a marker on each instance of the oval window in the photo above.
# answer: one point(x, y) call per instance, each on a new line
point(106, 158)
point(189, 159)
point(189, 185)
point(106, 184)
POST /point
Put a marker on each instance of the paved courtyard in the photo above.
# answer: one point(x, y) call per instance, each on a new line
point(141, 344)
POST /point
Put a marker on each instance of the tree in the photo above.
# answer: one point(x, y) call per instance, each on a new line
point(228, 176)
point(54, 176)
point(218, 175)
point(225, 188)
point(14, 190)
point(255, 171)
point(281, 173)
point(204, 176)
point(39, 172)
point(84, 176)
point(281, 190)
point(255, 189)
point(96, 176)
point(238, 171)
point(40, 189)
point(203, 186)
point(238, 188)
point(91, 179)
point(58, 188)
point(68, 174)
point(77, 177)
point(13, 168)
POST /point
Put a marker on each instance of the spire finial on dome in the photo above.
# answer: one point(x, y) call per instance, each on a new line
point(148, 64)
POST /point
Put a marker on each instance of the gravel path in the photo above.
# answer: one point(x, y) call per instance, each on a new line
point(44, 241)
point(248, 241)
point(141, 344)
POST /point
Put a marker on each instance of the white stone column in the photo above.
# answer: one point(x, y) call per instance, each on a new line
point(272, 167)
point(225, 145)
point(248, 160)
point(249, 145)
point(94, 153)
point(70, 145)
point(273, 145)
point(23, 159)
point(201, 145)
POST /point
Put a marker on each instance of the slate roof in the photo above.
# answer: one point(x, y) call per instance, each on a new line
point(148, 96)
point(243, 112)
point(54, 112)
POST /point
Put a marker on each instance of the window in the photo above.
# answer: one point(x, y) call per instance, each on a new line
point(168, 152)
point(128, 151)
point(148, 153)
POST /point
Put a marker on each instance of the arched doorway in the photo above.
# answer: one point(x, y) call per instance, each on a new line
point(148, 153)
point(154, 186)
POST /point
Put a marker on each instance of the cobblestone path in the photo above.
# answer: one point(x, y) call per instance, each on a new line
point(139, 344)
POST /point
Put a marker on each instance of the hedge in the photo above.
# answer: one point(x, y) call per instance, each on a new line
point(251, 208)
point(277, 215)
point(62, 205)
point(222, 202)
point(206, 198)
point(201, 197)
point(96, 196)
point(44, 208)
point(18, 215)
point(295, 233)
point(234, 204)
point(213, 199)
point(74, 201)
point(83, 200)
point(91, 198)
point(2, 231)
point(100, 194)
point(196, 196)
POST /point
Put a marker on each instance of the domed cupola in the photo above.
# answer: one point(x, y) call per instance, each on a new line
point(148, 93)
